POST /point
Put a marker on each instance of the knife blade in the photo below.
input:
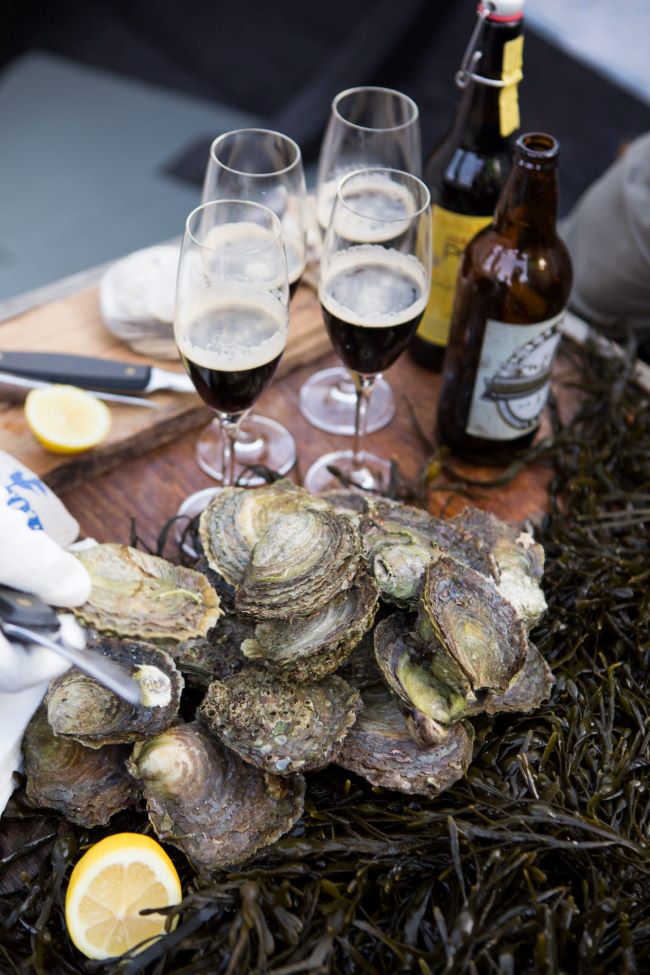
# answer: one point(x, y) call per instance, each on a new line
point(89, 372)
point(16, 388)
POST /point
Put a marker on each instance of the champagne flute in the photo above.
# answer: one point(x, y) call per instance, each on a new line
point(374, 287)
point(368, 127)
point(232, 315)
point(264, 167)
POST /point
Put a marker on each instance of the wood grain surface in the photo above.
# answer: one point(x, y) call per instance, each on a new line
point(73, 324)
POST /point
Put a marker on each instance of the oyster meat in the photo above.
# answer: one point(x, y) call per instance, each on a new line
point(380, 748)
point(279, 726)
point(140, 595)
point(237, 518)
point(205, 800)
point(88, 785)
point(310, 647)
point(80, 707)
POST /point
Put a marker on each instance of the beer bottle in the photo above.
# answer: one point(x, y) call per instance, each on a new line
point(466, 172)
point(513, 287)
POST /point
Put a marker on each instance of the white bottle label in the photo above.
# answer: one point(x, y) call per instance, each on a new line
point(512, 379)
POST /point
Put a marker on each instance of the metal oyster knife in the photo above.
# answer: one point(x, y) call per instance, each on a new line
point(89, 372)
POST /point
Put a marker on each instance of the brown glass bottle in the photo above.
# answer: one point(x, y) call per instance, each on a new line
point(466, 172)
point(513, 288)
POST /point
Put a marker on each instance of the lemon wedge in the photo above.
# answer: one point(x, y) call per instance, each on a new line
point(65, 419)
point(115, 880)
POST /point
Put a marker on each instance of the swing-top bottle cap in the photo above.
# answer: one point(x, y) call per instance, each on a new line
point(503, 10)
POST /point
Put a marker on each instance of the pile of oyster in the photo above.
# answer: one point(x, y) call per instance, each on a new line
point(353, 630)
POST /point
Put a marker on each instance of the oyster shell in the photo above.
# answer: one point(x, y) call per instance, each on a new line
point(305, 558)
point(279, 726)
point(311, 647)
point(526, 691)
point(140, 595)
point(203, 799)
point(237, 518)
point(87, 785)
point(217, 655)
point(380, 748)
point(482, 637)
point(519, 560)
point(80, 707)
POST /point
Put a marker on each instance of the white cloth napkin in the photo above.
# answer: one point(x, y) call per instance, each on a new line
point(34, 525)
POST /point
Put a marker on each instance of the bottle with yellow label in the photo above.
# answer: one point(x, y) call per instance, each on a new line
point(466, 172)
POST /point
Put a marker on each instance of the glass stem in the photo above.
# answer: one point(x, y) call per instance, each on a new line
point(230, 429)
point(363, 386)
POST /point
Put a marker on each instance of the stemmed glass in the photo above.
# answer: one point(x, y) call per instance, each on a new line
point(232, 315)
point(374, 285)
point(368, 127)
point(264, 167)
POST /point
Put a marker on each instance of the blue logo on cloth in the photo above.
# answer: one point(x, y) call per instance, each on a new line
point(18, 489)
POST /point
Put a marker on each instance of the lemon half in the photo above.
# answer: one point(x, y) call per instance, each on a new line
point(65, 419)
point(115, 880)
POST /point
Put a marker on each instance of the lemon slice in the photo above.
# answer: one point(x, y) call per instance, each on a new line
point(65, 419)
point(115, 880)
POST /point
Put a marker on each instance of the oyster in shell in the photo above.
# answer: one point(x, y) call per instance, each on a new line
point(482, 637)
point(312, 646)
point(217, 655)
point(203, 799)
point(380, 748)
point(140, 595)
point(518, 558)
point(80, 707)
point(279, 726)
point(305, 558)
point(527, 689)
point(237, 518)
point(88, 785)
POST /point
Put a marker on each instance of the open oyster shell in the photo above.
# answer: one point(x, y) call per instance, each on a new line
point(305, 558)
point(483, 639)
point(518, 558)
point(203, 799)
point(310, 647)
point(237, 518)
point(380, 748)
point(80, 707)
point(87, 785)
point(140, 595)
point(279, 726)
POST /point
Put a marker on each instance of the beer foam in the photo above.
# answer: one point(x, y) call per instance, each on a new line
point(232, 331)
point(378, 209)
point(364, 306)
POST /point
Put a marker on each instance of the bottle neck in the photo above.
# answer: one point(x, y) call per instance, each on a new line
point(478, 120)
point(528, 204)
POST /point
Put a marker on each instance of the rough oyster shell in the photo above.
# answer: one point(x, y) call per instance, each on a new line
point(380, 748)
point(237, 518)
point(217, 655)
point(203, 799)
point(305, 558)
point(311, 647)
point(527, 689)
point(279, 726)
point(519, 560)
point(140, 595)
point(88, 785)
point(482, 637)
point(80, 707)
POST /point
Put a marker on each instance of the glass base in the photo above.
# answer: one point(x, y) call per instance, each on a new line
point(190, 508)
point(328, 400)
point(373, 474)
point(261, 441)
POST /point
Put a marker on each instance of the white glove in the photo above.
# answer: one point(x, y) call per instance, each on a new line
point(32, 561)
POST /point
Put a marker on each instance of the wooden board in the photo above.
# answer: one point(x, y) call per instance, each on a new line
point(73, 324)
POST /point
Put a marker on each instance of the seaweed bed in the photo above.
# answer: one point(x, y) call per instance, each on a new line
point(536, 863)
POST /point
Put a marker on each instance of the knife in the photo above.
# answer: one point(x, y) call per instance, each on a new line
point(28, 619)
point(17, 387)
point(91, 373)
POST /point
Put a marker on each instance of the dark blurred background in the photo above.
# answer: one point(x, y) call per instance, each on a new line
point(107, 108)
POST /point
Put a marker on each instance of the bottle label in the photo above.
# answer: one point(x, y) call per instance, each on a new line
point(451, 232)
point(512, 379)
point(511, 74)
